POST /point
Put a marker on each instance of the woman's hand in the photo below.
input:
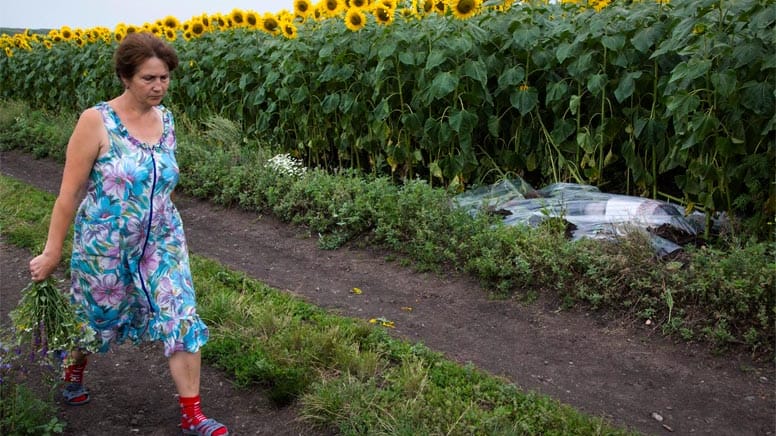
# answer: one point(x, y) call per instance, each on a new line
point(42, 266)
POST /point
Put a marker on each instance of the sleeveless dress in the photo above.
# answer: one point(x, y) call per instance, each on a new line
point(130, 272)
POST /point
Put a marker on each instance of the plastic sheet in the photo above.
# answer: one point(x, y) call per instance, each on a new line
point(592, 213)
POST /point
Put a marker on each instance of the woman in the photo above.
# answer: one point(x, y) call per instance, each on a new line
point(129, 268)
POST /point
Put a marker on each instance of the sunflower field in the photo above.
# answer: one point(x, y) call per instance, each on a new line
point(652, 98)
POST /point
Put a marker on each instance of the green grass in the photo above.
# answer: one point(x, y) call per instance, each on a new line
point(345, 373)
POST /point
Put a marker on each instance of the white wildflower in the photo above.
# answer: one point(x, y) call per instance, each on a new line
point(286, 165)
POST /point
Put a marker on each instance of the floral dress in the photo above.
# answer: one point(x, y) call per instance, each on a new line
point(130, 267)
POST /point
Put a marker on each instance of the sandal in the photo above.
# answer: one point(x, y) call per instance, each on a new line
point(75, 394)
point(205, 427)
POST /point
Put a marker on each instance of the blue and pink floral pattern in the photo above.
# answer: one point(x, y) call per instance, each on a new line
point(130, 266)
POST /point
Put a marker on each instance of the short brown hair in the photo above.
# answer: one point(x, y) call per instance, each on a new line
point(136, 48)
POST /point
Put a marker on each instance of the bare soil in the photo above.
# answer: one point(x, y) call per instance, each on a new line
point(619, 370)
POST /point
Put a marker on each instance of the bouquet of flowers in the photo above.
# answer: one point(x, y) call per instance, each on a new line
point(46, 320)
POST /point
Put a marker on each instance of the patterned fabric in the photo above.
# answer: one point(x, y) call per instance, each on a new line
point(130, 266)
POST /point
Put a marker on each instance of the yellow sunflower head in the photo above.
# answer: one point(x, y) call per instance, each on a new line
point(67, 33)
point(334, 7)
point(359, 3)
point(171, 22)
point(289, 30)
point(9, 52)
point(303, 8)
point(355, 19)
point(463, 9)
point(440, 6)
point(197, 28)
point(170, 34)
point(238, 17)
point(252, 20)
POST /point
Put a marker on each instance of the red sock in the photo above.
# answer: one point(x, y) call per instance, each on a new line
point(191, 415)
point(75, 374)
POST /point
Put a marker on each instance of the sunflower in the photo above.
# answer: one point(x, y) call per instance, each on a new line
point(252, 20)
point(187, 35)
point(205, 20)
point(463, 9)
point(8, 52)
point(48, 44)
point(270, 24)
point(238, 17)
point(319, 13)
point(333, 7)
point(302, 8)
point(289, 30)
point(428, 6)
point(355, 19)
point(440, 6)
point(119, 35)
point(57, 37)
point(383, 15)
point(67, 33)
point(197, 28)
point(171, 22)
point(132, 29)
point(359, 3)
point(170, 34)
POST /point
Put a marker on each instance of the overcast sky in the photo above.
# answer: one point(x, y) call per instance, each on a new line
point(49, 14)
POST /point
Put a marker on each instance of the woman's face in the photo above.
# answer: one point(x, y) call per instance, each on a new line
point(150, 82)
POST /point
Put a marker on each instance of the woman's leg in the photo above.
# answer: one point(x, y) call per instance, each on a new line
point(185, 368)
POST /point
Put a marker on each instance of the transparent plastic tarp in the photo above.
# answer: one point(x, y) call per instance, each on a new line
point(592, 213)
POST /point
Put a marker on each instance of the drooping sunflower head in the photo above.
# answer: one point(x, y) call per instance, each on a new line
point(288, 29)
point(270, 24)
point(119, 35)
point(463, 9)
point(382, 14)
point(355, 19)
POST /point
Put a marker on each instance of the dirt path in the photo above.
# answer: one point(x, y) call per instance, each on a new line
point(624, 373)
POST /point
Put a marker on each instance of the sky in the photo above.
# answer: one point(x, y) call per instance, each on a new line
point(49, 14)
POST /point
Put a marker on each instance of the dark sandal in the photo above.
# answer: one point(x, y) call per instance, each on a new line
point(206, 427)
point(75, 394)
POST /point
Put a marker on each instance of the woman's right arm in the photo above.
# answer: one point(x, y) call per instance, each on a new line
point(83, 148)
